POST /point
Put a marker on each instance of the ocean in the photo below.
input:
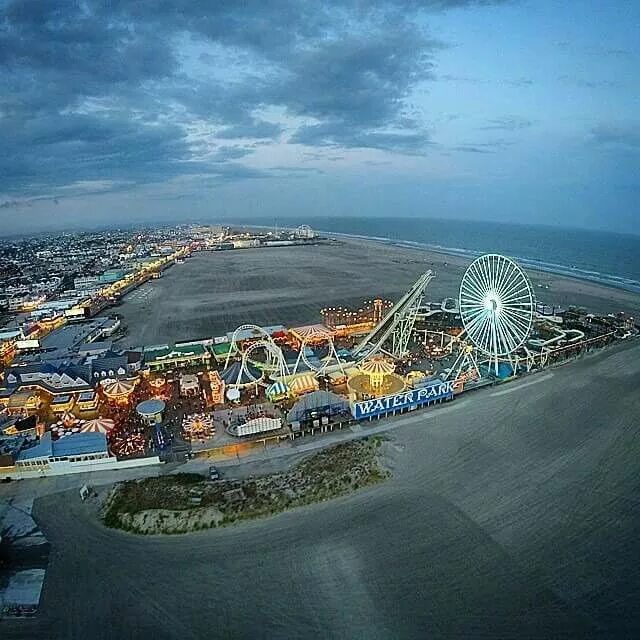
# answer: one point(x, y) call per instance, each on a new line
point(608, 258)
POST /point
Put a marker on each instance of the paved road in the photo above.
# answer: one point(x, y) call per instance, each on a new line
point(512, 513)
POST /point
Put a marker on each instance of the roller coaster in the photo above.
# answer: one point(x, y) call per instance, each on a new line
point(390, 336)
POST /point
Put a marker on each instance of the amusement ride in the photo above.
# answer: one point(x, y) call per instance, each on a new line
point(495, 306)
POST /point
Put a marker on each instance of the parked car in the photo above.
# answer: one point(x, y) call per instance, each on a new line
point(214, 474)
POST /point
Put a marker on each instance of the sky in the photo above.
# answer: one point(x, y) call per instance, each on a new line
point(175, 110)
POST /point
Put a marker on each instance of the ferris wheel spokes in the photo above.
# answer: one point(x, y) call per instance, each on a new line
point(496, 306)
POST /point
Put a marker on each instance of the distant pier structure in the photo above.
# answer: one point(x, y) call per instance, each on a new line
point(305, 232)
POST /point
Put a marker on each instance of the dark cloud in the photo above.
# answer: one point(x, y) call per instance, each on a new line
point(57, 149)
point(258, 129)
point(225, 153)
point(507, 123)
point(340, 134)
point(492, 146)
point(518, 82)
point(467, 148)
point(509, 82)
point(589, 83)
point(618, 135)
point(101, 91)
point(358, 78)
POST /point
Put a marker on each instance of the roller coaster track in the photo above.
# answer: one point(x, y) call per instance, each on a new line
point(397, 325)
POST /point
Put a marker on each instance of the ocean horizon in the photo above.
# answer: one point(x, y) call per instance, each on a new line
point(597, 256)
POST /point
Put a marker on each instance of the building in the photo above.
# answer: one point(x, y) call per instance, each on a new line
point(181, 355)
point(55, 379)
point(24, 427)
point(111, 275)
point(72, 336)
point(87, 401)
point(189, 385)
point(113, 365)
point(62, 404)
point(86, 282)
point(8, 340)
point(24, 402)
point(76, 452)
point(346, 321)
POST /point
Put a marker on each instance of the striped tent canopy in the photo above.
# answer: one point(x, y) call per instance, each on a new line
point(303, 383)
point(313, 332)
point(118, 389)
point(277, 390)
point(99, 425)
point(377, 366)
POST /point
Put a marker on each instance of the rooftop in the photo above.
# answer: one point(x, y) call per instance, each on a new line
point(61, 399)
point(76, 444)
point(72, 335)
point(150, 407)
point(161, 352)
point(80, 444)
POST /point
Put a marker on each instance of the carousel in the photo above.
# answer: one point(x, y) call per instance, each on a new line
point(125, 444)
point(69, 424)
point(66, 425)
point(198, 426)
point(99, 425)
point(119, 391)
point(375, 378)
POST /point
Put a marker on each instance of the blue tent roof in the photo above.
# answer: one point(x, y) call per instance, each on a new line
point(151, 407)
point(78, 444)
point(235, 374)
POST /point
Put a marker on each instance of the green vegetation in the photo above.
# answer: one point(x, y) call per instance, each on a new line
point(186, 502)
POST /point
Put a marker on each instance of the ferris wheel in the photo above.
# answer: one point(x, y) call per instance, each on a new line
point(496, 306)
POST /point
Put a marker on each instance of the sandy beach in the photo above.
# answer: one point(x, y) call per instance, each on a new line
point(511, 513)
point(214, 292)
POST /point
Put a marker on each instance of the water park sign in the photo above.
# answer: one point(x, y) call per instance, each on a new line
point(405, 400)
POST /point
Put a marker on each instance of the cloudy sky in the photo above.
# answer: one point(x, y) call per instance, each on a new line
point(521, 111)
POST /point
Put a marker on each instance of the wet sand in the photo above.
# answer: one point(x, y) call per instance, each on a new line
point(512, 513)
point(214, 292)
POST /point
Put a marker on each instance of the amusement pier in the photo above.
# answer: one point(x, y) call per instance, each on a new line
point(74, 402)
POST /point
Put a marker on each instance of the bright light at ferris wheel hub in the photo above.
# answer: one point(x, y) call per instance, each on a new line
point(492, 303)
